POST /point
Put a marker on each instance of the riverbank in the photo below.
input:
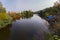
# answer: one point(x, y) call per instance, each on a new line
point(6, 22)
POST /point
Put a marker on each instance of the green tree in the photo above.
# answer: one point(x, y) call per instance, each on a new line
point(2, 9)
point(27, 14)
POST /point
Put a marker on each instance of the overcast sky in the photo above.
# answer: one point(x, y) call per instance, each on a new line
point(21, 5)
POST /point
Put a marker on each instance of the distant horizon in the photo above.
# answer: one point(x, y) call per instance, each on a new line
point(22, 5)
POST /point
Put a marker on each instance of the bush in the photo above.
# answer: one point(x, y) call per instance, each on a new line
point(4, 20)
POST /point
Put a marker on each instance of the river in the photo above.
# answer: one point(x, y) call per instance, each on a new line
point(35, 22)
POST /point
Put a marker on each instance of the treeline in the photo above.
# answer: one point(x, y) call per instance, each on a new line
point(55, 10)
point(24, 14)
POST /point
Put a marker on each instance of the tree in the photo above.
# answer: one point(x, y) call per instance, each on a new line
point(1, 5)
point(2, 9)
point(14, 15)
point(4, 18)
point(27, 14)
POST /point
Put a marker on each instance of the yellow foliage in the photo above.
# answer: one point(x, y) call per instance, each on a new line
point(3, 16)
point(4, 19)
point(47, 14)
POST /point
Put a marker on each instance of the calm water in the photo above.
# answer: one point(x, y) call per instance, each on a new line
point(33, 23)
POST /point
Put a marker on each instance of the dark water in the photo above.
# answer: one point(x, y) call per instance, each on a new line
point(23, 27)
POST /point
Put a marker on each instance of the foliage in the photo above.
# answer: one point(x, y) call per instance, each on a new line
point(3, 16)
point(26, 14)
point(4, 20)
point(2, 9)
point(55, 37)
point(14, 15)
point(55, 10)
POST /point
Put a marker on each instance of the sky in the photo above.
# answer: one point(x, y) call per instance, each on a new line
point(21, 5)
